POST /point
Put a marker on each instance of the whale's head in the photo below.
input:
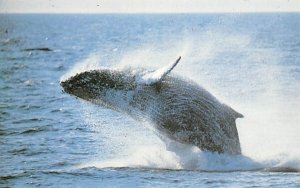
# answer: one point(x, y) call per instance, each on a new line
point(96, 84)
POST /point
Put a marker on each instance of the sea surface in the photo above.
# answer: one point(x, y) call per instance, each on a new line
point(50, 139)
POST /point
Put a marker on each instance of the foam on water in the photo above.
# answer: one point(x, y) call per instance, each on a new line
point(250, 81)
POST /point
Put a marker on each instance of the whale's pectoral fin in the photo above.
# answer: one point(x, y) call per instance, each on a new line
point(233, 112)
point(238, 115)
point(154, 77)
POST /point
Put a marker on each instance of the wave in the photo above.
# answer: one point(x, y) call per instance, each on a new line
point(191, 158)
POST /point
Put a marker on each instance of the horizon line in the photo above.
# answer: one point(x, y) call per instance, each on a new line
point(146, 12)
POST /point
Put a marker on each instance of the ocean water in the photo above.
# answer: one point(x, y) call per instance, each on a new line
point(50, 139)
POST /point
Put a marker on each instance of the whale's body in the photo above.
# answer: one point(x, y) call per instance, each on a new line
point(178, 108)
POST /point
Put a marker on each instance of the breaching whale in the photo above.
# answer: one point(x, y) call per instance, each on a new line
point(178, 108)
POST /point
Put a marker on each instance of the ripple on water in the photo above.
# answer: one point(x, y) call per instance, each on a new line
point(28, 120)
point(34, 130)
point(282, 169)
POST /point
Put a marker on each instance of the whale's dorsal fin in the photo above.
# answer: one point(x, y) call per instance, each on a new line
point(156, 76)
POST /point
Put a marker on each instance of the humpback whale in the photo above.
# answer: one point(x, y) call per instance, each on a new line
point(178, 108)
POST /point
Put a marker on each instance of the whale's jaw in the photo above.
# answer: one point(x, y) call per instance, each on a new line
point(77, 87)
point(93, 84)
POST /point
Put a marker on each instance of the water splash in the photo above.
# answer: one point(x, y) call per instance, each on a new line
point(250, 78)
point(89, 63)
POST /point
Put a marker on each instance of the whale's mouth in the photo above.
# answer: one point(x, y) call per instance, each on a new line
point(77, 87)
point(65, 86)
point(69, 85)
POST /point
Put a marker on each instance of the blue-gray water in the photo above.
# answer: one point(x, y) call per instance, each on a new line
point(50, 139)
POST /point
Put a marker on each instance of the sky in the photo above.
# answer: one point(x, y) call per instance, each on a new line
point(147, 6)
